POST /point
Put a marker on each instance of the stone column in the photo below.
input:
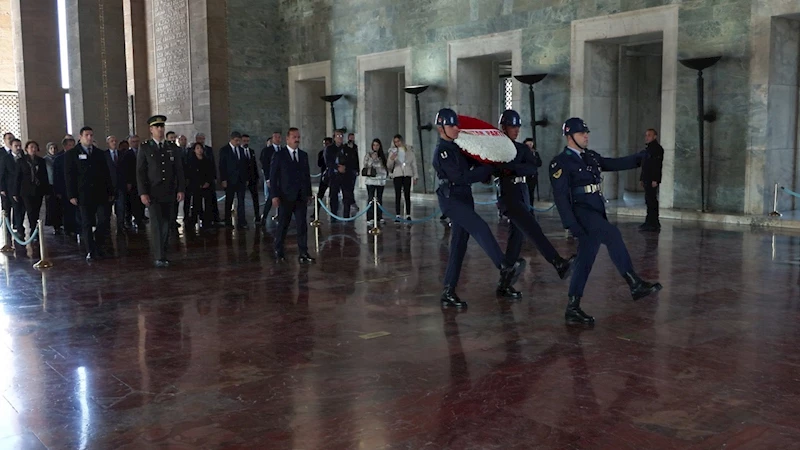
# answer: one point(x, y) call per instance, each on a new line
point(188, 66)
point(98, 77)
point(35, 42)
point(136, 62)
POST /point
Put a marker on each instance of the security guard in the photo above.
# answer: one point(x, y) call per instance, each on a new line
point(575, 176)
point(456, 174)
point(160, 179)
point(514, 201)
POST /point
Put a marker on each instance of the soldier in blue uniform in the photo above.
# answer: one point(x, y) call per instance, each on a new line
point(575, 176)
point(456, 174)
point(514, 201)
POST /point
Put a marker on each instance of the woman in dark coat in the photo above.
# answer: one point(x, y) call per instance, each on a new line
point(32, 183)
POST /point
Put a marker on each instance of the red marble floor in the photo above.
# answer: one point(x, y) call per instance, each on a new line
point(227, 350)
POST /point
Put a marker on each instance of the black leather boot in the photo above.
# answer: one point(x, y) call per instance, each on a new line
point(510, 274)
point(640, 288)
point(508, 292)
point(563, 266)
point(451, 300)
point(574, 313)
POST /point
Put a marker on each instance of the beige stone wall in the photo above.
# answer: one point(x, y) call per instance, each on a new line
point(8, 81)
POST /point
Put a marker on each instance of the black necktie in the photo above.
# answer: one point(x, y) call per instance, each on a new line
point(161, 146)
point(294, 156)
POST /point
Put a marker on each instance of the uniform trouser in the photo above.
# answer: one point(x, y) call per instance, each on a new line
point(599, 231)
point(253, 188)
point(238, 192)
point(54, 214)
point(162, 216)
point(465, 223)
point(524, 223)
point(533, 185)
point(298, 208)
point(402, 185)
point(374, 192)
point(93, 214)
point(33, 204)
point(651, 199)
point(323, 187)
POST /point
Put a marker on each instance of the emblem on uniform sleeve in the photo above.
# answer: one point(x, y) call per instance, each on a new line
point(557, 174)
point(444, 154)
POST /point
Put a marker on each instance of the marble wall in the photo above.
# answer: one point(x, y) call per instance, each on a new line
point(264, 41)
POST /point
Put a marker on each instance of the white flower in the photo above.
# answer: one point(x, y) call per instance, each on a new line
point(484, 142)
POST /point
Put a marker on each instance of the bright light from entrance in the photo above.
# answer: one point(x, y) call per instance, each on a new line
point(62, 48)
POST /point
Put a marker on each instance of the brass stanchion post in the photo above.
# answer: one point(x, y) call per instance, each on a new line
point(775, 212)
point(8, 247)
point(44, 262)
point(375, 230)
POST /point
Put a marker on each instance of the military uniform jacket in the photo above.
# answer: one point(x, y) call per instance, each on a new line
point(159, 172)
point(571, 171)
point(523, 165)
point(456, 171)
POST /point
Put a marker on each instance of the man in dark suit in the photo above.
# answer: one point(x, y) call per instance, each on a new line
point(339, 167)
point(159, 175)
point(651, 178)
point(252, 174)
point(8, 168)
point(89, 188)
point(266, 160)
point(200, 138)
point(233, 164)
point(71, 222)
point(290, 179)
point(114, 159)
point(132, 188)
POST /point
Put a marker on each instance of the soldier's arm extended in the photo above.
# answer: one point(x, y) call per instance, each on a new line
point(623, 163)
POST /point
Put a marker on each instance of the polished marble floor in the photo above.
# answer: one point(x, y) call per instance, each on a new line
point(227, 350)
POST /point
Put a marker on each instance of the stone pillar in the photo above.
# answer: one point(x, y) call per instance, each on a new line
point(188, 66)
point(136, 62)
point(98, 77)
point(35, 41)
point(8, 80)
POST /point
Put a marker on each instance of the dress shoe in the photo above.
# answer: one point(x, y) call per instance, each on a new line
point(574, 313)
point(243, 227)
point(450, 299)
point(58, 232)
point(306, 259)
point(508, 292)
point(563, 266)
point(279, 256)
point(160, 263)
point(640, 288)
point(91, 257)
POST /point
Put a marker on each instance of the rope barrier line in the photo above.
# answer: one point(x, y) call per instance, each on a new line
point(343, 219)
point(16, 237)
point(790, 192)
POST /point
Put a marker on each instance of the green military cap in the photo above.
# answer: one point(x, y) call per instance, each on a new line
point(157, 120)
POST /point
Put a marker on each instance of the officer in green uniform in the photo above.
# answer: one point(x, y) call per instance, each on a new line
point(159, 176)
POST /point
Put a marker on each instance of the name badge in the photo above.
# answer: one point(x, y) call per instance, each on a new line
point(82, 156)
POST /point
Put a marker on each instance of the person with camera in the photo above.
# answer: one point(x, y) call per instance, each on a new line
point(402, 165)
point(375, 174)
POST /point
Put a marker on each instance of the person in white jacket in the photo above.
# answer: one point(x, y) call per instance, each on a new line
point(375, 173)
point(402, 166)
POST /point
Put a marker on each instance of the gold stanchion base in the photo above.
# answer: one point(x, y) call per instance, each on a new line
point(7, 249)
point(43, 264)
point(375, 231)
point(315, 223)
point(775, 214)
